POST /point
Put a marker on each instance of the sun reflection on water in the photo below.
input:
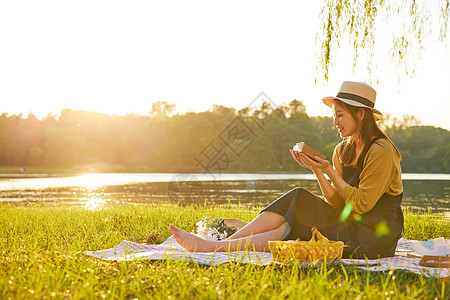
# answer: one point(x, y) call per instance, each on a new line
point(98, 191)
point(91, 181)
point(93, 203)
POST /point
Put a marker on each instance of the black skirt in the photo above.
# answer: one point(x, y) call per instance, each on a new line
point(304, 210)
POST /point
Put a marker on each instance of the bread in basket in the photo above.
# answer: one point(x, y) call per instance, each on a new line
point(287, 251)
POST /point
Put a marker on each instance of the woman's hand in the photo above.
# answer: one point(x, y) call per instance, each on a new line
point(317, 167)
point(304, 161)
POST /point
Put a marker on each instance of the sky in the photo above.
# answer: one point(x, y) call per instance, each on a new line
point(118, 57)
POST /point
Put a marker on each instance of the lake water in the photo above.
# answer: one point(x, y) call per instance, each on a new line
point(96, 191)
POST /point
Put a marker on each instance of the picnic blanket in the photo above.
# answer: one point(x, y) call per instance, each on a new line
point(170, 249)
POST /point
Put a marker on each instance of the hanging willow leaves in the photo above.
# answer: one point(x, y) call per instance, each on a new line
point(410, 25)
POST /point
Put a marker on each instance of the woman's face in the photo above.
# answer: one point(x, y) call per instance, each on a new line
point(344, 122)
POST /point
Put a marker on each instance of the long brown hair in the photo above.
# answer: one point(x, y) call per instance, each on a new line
point(368, 130)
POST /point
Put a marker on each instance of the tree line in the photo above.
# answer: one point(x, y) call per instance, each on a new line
point(220, 140)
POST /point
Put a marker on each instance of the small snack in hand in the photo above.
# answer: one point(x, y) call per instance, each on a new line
point(301, 147)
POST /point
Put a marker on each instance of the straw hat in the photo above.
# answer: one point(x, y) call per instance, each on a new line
point(357, 94)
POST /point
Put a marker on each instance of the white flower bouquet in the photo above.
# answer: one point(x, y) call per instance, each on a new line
point(214, 229)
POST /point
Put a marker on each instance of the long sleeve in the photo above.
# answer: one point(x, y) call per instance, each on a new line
point(381, 174)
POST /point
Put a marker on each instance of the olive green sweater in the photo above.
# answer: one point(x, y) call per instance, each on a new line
point(381, 174)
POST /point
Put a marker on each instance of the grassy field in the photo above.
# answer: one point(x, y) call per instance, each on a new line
point(41, 258)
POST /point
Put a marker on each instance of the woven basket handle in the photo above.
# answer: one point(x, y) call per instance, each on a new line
point(320, 237)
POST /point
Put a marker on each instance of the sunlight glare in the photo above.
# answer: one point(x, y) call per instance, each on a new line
point(91, 181)
point(93, 203)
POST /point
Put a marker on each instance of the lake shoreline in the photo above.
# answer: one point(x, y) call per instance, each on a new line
point(148, 188)
point(167, 177)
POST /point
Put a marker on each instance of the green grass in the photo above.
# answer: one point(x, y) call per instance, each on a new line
point(41, 258)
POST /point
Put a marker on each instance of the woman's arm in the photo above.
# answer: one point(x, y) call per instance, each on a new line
point(380, 167)
point(327, 189)
point(380, 170)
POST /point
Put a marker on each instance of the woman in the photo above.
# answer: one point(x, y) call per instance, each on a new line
point(362, 202)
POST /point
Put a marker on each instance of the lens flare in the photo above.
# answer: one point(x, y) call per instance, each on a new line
point(382, 229)
point(346, 212)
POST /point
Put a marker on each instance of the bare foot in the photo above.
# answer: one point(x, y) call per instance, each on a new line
point(191, 242)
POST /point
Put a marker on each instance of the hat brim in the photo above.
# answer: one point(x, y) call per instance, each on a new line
point(329, 102)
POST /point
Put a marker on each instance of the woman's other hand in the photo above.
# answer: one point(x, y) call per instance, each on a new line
point(304, 161)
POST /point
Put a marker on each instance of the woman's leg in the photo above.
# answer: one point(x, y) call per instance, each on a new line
point(257, 242)
point(264, 222)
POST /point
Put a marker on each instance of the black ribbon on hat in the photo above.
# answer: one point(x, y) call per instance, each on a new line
point(356, 98)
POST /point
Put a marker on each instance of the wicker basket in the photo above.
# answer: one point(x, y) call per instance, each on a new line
point(301, 250)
